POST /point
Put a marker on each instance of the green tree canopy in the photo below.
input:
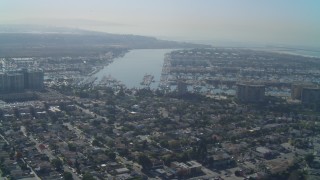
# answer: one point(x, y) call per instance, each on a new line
point(57, 163)
point(88, 176)
point(144, 161)
point(309, 158)
point(67, 176)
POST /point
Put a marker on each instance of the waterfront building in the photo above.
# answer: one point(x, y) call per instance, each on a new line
point(310, 95)
point(34, 80)
point(15, 82)
point(18, 81)
point(296, 90)
point(3, 82)
point(252, 93)
point(182, 87)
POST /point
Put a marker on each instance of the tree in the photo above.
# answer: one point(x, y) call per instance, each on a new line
point(16, 112)
point(72, 147)
point(184, 156)
point(297, 175)
point(4, 171)
point(63, 106)
point(112, 156)
point(144, 161)
point(1, 113)
point(97, 143)
point(202, 149)
point(53, 146)
point(164, 143)
point(88, 176)
point(309, 158)
point(121, 92)
point(67, 176)
point(2, 160)
point(18, 155)
point(33, 111)
point(77, 166)
point(57, 163)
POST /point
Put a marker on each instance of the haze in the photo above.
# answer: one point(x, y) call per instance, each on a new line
point(290, 22)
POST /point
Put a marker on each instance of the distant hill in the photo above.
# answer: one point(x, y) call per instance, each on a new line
point(50, 41)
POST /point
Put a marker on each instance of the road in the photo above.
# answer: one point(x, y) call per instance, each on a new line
point(81, 134)
point(35, 174)
point(48, 153)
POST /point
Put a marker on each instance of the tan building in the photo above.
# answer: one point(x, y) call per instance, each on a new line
point(296, 90)
point(185, 169)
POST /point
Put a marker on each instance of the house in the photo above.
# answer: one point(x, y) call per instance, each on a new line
point(186, 169)
point(166, 173)
point(122, 170)
point(221, 160)
point(266, 153)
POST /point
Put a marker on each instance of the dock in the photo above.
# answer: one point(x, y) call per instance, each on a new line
point(147, 80)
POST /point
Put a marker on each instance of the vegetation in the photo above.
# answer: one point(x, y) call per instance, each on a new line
point(88, 176)
point(144, 161)
point(57, 163)
point(309, 158)
point(67, 176)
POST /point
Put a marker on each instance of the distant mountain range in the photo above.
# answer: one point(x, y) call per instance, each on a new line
point(31, 40)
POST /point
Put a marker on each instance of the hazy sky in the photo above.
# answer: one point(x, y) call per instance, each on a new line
point(295, 22)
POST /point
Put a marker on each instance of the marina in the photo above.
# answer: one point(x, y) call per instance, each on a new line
point(203, 72)
point(218, 70)
point(136, 66)
point(147, 80)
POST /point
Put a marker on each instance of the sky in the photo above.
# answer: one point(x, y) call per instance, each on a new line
point(290, 22)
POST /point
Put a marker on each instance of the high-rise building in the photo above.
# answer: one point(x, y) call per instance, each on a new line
point(34, 79)
point(3, 82)
point(296, 90)
point(182, 87)
point(310, 95)
point(18, 81)
point(15, 82)
point(251, 93)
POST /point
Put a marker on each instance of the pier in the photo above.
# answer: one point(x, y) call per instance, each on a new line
point(147, 80)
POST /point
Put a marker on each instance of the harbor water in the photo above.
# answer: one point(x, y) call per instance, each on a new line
point(131, 68)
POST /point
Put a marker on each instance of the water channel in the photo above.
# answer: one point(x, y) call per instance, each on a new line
point(131, 68)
